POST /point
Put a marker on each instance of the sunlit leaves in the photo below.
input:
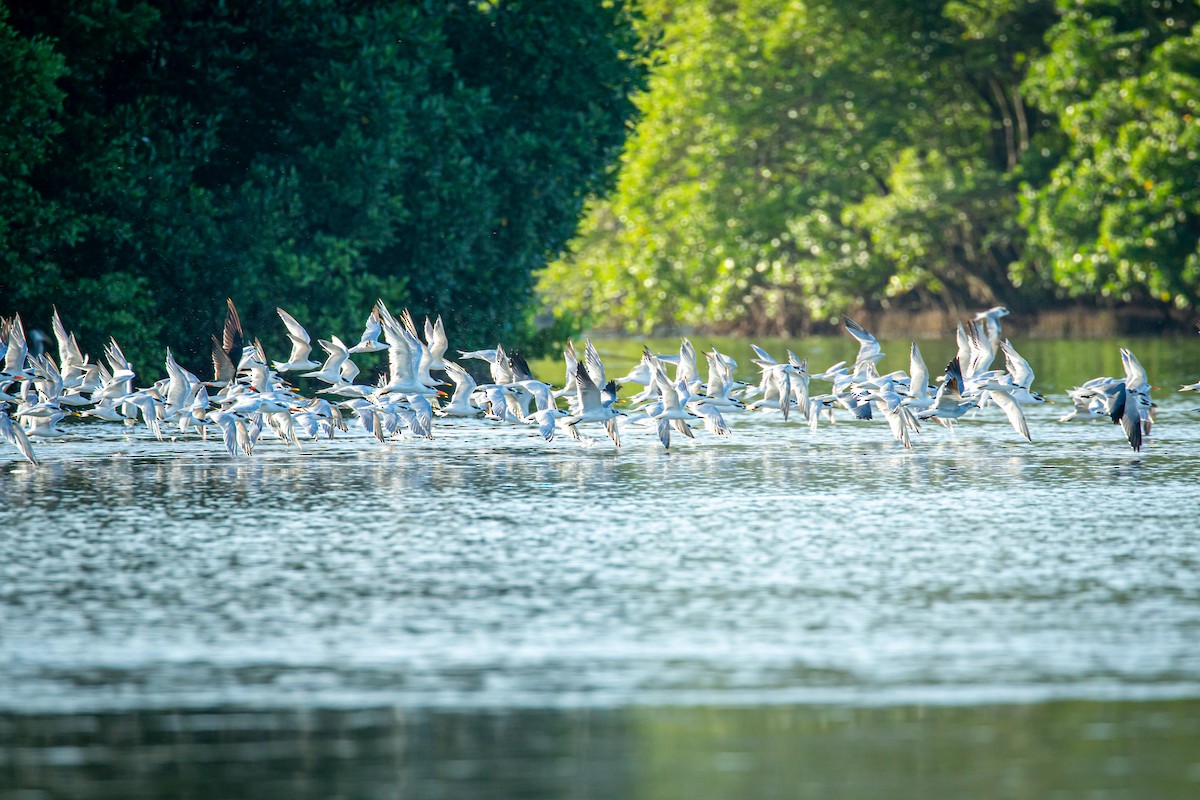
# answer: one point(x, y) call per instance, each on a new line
point(1119, 215)
point(775, 177)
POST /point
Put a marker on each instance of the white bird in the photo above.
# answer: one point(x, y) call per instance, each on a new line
point(991, 321)
point(918, 397)
point(1021, 373)
point(949, 404)
point(301, 346)
point(591, 407)
point(869, 351)
point(547, 421)
point(482, 355)
point(1003, 396)
point(436, 345)
point(332, 371)
point(670, 411)
point(16, 350)
point(460, 402)
point(369, 341)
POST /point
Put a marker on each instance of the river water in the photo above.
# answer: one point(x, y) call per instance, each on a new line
point(783, 613)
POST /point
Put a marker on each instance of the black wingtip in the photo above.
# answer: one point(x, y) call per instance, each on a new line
point(520, 367)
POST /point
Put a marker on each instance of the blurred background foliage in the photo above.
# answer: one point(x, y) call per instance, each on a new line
point(790, 161)
point(157, 157)
point(797, 159)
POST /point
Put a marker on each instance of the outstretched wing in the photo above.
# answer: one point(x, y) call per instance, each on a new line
point(301, 345)
point(868, 346)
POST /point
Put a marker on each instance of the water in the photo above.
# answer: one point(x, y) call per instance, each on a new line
point(783, 613)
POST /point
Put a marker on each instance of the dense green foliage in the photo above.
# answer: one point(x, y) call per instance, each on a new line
point(797, 158)
point(313, 154)
point(1120, 212)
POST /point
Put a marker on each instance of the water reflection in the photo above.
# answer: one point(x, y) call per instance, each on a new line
point(1081, 749)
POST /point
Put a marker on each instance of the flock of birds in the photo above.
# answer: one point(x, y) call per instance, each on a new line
point(249, 397)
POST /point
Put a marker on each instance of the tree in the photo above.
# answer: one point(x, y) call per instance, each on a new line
point(796, 159)
point(1119, 215)
point(314, 155)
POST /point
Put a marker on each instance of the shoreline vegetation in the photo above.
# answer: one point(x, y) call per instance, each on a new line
point(799, 159)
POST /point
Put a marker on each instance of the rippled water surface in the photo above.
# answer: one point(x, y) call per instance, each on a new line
point(579, 621)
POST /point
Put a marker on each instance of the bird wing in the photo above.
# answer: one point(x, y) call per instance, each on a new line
point(868, 345)
point(713, 421)
point(223, 369)
point(716, 374)
point(763, 355)
point(116, 358)
point(663, 428)
point(436, 339)
point(587, 392)
point(954, 378)
point(614, 432)
point(670, 397)
point(407, 320)
point(371, 329)
point(501, 372)
point(301, 344)
point(519, 367)
point(982, 352)
point(546, 424)
point(15, 435)
point(686, 368)
point(14, 356)
point(595, 367)
point(918, 382)
point(1135, 373)
point(233, 338)
point(1012, 410)
point(464, 384)
point(1127, 414)
point(178, 386)
point(69, 354)
point(401, 362)
point(1017, 366)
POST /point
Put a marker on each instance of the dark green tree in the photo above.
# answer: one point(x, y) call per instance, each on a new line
point(314, 155)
